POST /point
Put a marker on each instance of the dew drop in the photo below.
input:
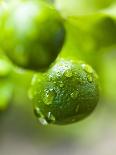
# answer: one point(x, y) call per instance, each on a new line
point(40, 116)
point(90, 79)
point(49, 96)
point(43, 121)
point(68, 73)
point(51, 117)
point(87, 68)
point(74, 94)
point(37, 112)
point(58, 73)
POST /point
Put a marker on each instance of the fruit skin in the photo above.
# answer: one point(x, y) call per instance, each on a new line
point(33, 34)
point(66, 93)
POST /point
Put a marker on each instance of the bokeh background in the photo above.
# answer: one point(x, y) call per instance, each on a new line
point(91, 36)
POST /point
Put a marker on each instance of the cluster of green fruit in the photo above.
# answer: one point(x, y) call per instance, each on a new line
point(64, 89)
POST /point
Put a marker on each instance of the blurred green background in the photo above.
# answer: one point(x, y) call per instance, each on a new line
point(91, 36)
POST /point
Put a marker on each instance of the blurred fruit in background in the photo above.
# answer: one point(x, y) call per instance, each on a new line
point(6, 88)
point(33, 34)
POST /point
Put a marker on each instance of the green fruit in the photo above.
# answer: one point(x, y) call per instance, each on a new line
point(33, 34)
point(5, 67)
point(6, 87)
point(6, 93)
point(66, 93)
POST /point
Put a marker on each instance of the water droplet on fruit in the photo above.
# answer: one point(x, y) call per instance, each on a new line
point(49, 96)
point(58, 73)
point(51, 117)
point(40, 116)
point(89, 77)
point(74, 94)
point(87, 68)
point(68, 73)
point(43, 121)
point(37, 112)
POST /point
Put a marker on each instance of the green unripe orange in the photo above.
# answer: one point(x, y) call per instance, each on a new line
point(66, 93)
point(33, 34)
